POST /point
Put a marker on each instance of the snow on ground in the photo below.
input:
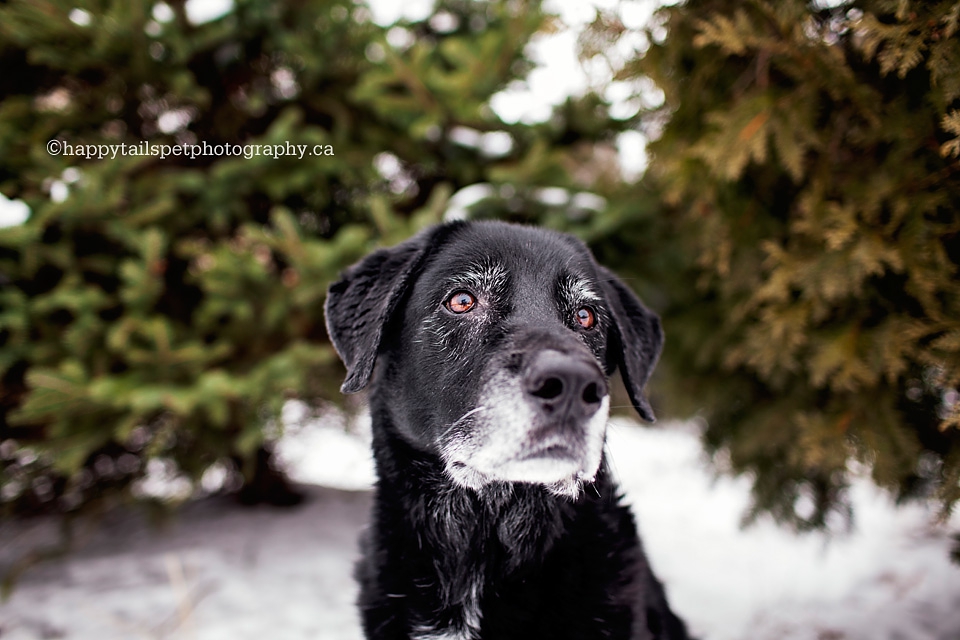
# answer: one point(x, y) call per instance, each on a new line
point(889, 578)
point(218, 572)
point(224, 572)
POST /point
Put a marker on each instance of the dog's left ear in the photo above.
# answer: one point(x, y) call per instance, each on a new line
point(638, 340)
point(361, 303)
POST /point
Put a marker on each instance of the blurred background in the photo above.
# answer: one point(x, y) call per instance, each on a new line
point(779, 180)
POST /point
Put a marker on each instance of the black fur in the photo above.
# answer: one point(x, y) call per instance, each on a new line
point(502, 559)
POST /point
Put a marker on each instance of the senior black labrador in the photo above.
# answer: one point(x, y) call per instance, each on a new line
point(495, 516)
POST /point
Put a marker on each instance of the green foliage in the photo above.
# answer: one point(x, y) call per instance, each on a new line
point(809, 164)
point(165, 307)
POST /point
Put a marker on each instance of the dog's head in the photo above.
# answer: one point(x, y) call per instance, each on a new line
point(493, 343)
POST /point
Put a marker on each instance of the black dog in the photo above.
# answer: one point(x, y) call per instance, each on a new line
point(495, 516)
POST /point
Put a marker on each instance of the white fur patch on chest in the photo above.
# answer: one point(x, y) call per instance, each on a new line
point(469, 624)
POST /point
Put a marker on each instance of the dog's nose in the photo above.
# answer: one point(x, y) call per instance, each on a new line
point(565, 385)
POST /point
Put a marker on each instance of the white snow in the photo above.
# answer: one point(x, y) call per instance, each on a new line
point(329, 450)
point(890, 577)
point(220, 571)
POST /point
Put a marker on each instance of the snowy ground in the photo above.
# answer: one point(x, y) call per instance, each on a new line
point(221, 571)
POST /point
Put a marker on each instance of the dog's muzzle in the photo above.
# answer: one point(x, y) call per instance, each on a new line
point(543, 424)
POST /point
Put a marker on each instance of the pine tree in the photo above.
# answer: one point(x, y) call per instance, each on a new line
point(160, 310)
point(156, 312)
point(809, 162)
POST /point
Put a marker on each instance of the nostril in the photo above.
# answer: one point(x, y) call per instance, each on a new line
point(591, 393)
point(549, 389)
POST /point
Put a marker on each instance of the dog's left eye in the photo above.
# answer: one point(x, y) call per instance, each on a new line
point(461, 302)
point(586, 317)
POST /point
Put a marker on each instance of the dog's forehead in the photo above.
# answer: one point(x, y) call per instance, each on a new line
point(540, 255)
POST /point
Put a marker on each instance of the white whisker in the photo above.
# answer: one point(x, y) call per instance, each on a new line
point(460, 420)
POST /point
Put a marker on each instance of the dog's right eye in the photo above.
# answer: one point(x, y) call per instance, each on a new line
point(461, 302)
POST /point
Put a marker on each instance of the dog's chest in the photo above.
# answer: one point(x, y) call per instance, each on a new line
point(520, 569)
point(471, 549)
point(464, 618)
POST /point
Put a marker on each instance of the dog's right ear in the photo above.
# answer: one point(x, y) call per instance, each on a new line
point(361, 303)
